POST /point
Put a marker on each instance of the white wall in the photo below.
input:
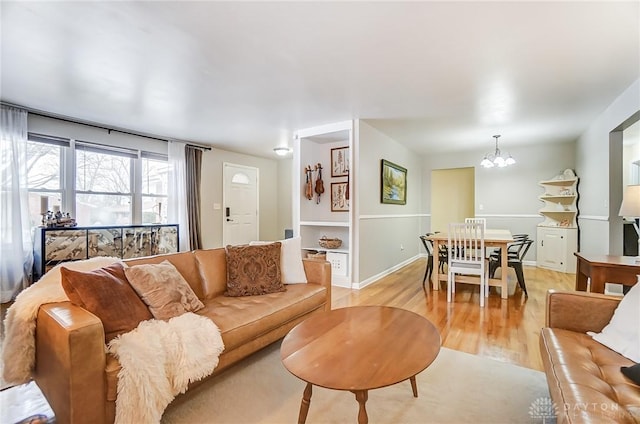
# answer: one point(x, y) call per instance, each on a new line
point(285, 196)
point(599, 199)
point(384, 228)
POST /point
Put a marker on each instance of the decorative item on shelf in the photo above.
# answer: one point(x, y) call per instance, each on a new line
point(565, 191)
point(58, 219)
point(564, 223)
point(496, 159)
point(308, 184)
point(319, 189)
point(330, 243)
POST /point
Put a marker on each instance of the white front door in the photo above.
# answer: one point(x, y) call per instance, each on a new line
point(240, 201)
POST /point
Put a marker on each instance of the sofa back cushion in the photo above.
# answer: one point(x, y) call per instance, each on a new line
point(185, 263)
point(212, 266)
point(163, 289)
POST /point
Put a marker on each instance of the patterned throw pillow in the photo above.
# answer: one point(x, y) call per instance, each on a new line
point(106, 293)
point(253, 270)
point(163, 289)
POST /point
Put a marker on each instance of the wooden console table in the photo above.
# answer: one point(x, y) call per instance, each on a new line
point(605, 269)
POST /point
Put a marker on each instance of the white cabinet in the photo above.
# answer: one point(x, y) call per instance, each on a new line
point(558, 234)
point(315, 219)
point(556, 247)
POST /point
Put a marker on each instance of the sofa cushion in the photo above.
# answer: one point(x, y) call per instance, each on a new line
point(242, 319)
point(212, 266)
point(253, 270)
point(163, 289)
point(585, 376)
point(290, 260)
point(106, 293)
point(622, 334)
point(185, 263)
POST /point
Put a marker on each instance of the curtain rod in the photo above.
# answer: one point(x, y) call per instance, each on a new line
point(94, 125)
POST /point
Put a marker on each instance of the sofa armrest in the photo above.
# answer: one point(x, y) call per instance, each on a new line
point(579, 311)
point(70, 362)
point(319, 272)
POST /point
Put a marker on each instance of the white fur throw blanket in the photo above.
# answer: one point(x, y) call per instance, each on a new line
point(19, 345)
point(159, 359)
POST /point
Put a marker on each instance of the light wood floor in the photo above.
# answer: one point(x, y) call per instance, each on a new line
point(505, 330)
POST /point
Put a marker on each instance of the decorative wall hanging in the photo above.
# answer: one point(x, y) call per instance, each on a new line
point(319, 189)
point(339, 197)
point(308, 182)
point(340, 162)
point(393, 183)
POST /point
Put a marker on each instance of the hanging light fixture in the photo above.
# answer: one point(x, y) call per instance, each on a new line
point(496, 159)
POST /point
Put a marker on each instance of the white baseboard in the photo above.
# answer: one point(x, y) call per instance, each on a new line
point(384, 273)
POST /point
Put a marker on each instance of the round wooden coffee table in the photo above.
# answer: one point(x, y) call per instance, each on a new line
point(359, 349)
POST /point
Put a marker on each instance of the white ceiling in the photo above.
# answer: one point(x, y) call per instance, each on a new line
point(244, 76)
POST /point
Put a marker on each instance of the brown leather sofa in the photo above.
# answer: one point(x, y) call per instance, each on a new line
point(79, 380)
point(584, 377)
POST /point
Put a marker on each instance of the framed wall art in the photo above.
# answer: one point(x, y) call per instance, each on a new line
point(393, 183)
point(340, 162)
point(339, 198)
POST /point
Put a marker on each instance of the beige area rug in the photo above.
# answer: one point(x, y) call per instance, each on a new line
point(456, 388)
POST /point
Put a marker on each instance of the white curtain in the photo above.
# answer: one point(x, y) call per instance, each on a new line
point(16, 246)
point(177, 208)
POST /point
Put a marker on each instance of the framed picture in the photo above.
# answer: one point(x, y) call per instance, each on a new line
point(393, 183)
point(339, 197)
point(340, 162)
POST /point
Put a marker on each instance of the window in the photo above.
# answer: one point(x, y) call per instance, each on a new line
point(96, 184)
point(103, 185)
point(155, 182)
point(45, 174)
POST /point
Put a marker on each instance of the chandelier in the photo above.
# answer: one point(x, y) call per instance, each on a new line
point(496, 159)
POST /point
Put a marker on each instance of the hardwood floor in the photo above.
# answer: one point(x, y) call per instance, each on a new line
point(505, 330)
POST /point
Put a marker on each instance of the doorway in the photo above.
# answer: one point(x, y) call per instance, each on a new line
point(240, 200)
point(452, 196)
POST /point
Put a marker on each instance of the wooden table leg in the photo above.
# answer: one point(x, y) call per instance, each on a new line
point(435, 275)
point(414, 386)
point(504, 292)
point(304, 406)
point(361, 397)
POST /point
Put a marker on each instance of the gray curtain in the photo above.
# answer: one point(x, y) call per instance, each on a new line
point(194, 166)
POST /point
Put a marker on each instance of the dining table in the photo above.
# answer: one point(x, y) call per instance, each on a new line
point(499, 238)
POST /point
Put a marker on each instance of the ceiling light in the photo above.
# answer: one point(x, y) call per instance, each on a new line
point(281, 151)
point(496, 159)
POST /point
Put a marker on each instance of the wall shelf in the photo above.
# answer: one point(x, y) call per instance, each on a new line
point(557, 235)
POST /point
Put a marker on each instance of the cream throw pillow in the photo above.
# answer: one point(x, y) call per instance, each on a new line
point(163, 289)
point(622, 334)
point(291, 265)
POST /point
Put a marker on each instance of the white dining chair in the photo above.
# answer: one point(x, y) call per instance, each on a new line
point(466, 256)
point(482, 221)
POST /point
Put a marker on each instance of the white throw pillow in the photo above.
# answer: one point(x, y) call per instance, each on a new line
point(622, 334)
point(291, 265)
